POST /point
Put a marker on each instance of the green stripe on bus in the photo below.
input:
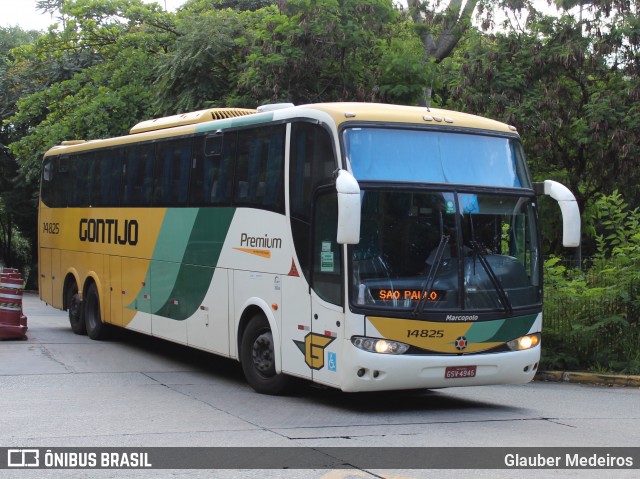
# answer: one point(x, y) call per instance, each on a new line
point(234, 122)
point(513, 328)
point(188, 237)
point(484, 331)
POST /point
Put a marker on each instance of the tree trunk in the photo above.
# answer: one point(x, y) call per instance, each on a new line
point(449, 26)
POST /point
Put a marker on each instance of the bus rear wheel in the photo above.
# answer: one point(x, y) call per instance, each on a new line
point(257, 356)
point(74, 307)
point(96, 329)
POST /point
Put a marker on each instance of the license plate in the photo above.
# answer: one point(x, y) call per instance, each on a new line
point(457, 372)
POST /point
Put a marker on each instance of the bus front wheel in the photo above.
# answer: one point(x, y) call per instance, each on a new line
point(96, 329)
point(74, 307)
point(257, 356)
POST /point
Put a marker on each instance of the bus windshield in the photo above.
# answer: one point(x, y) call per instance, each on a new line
point(428, 156)
point(446, 250)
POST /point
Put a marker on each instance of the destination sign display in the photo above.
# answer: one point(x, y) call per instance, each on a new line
point(404, 294)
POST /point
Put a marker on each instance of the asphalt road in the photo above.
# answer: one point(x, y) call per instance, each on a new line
point(58, 389)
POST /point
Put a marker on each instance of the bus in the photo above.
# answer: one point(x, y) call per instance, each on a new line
point(363, 247)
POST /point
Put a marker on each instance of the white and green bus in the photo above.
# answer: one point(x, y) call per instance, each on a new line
point(359, 246)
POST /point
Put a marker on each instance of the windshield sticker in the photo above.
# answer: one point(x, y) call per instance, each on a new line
point(326, 262)
point(450, 207)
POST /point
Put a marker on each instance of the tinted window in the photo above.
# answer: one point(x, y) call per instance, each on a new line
point(212, 169)
point(327, 258)
point(137, 171)
point(260, 168)
point(52, 185)
point(106, 177)
point(312, 163)
point(171, 176)
point(80, 174)
point(312, 160)
point(435, 157)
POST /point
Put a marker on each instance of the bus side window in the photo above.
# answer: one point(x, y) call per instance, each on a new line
point(171, 175)
point(211, 169)
point(259, 173)
point(137, 176)
point(81, 175)
point(106, 177)
point(52, 183)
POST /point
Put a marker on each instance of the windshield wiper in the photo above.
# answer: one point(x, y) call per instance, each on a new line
point(502, 294)
point(431, 277)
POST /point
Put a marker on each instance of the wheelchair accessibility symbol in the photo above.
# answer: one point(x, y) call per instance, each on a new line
point(332, 362)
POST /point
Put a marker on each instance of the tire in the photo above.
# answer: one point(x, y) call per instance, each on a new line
point(96, 329)
point(258, 358)
point(74, 308)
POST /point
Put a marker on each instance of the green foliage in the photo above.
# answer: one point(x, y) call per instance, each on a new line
point(98, 102)
point(405, 73)
point(576, 109)
point(90, 80)
point(324, 50)
point(203, 64)
point(15, 249)
point(592, 317)
point(16, 203)
point(203, 6)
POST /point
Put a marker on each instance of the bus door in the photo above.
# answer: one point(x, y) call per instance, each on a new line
point(327, 297)
point(296, 323)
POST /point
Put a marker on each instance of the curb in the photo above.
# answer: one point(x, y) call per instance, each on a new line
point(589, 378)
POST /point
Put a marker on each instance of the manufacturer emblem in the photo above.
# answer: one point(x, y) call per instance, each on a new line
point(461, 343)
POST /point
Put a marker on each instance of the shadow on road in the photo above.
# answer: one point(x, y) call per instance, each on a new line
point(375, 402)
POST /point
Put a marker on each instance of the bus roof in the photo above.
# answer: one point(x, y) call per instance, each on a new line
point(220, 118)
point(385, 113)
point(189, 119)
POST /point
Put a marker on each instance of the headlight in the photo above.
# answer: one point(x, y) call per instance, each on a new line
point(525, 342)
point(381, 346)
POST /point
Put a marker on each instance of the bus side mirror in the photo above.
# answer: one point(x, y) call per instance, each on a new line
point(568, 207)
point(348, 208)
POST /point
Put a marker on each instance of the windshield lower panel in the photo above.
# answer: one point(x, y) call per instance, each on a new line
point(446, 251)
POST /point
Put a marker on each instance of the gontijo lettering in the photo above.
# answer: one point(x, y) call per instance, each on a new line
point(109, 231)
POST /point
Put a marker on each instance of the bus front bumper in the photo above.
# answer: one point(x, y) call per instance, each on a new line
point(365, 371)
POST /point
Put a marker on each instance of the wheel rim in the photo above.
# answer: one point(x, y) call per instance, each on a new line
point(262, 354)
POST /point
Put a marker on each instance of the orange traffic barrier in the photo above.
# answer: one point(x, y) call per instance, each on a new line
point(13, 322)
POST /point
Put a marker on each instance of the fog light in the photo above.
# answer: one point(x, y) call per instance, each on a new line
point(525, 342)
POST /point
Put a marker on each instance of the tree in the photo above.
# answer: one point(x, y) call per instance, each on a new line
point(102, 68)
point(327, 50)
point(13, 249)
point(439, 30)
point(91, 79)
point(575, 105)
point(203, 6)
point(202, 66)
